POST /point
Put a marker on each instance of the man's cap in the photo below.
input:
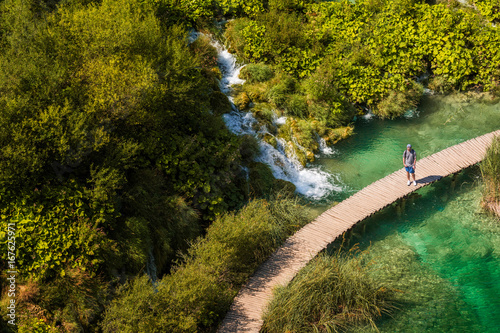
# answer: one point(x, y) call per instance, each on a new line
point(408, 146)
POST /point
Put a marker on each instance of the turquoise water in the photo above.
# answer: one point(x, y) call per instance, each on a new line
point(443, 253)
point(376, 148)
point(439, 249)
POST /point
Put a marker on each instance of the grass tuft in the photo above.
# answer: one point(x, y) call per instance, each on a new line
point(331, 294)
point(490, 170)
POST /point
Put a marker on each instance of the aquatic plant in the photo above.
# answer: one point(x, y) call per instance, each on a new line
point(490, 170)
point(332, 293)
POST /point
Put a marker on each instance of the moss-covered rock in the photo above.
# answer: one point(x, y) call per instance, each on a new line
point(257, 91)
point(263, 113)
point(271, 139)
point(334, 135)
point(303, 131)
point(310, 156)
point(242, 101)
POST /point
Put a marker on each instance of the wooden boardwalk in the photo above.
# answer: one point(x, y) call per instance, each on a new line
point(246, 311)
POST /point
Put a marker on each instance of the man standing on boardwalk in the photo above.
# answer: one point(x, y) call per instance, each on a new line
point(409, 161)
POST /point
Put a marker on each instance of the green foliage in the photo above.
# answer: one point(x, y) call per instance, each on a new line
point(398, 102)
point(278, 93)
point(241, 7)
point(489, 9)
point(332, 293)
point(256, 73)
point(56, 230)
point(370, 52)
point(249, 148)
point(200, 290)
point(255, 45)
point(130, 312)
point(158, 224)
point(219, 103)
point(263, 184)
point(110, 146)
point(207, 53)
point(296, 105)
point(74, 301)
point(35, 325)
point(288, 5)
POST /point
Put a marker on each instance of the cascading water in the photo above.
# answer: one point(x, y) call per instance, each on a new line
point(151, 269)
point(310, 182)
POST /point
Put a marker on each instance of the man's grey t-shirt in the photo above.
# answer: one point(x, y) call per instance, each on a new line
point(409, 157)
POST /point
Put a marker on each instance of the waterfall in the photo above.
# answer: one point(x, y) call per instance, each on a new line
point(151, 269)
point(311, 182)
point(324, 148)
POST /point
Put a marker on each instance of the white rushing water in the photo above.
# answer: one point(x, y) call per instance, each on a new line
point(310, 182)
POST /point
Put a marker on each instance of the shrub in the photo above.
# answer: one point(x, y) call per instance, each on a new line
point(288, 5)
point(200, 290)
point(264, 113)
point(332, 293)
point(440, 84)
point(256, 73)
point(130, 311)
point(296, 105)
point(260, 179)
point(234, 35)
point(73, 301)
point(396, 103)
point(35, 325)
point(489, 9)
point(249, 148)
point(205, 51)
point(56, 230)
point(277, 94)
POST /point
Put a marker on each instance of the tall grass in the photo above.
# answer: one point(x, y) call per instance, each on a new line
point(330, 294)
point(490, 170)
point(196, 295)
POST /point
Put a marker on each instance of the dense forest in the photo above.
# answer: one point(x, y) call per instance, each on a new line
point(114, 154)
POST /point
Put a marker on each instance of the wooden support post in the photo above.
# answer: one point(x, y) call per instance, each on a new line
point(453, 182)
point(400, 207)
point(348, 237)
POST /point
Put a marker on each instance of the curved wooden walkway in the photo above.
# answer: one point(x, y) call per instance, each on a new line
point(246, 311)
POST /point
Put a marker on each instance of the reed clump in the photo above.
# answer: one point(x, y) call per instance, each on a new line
point(490, 171)
point(330, 294)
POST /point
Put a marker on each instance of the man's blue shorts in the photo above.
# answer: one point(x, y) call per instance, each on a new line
point(410, 169)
